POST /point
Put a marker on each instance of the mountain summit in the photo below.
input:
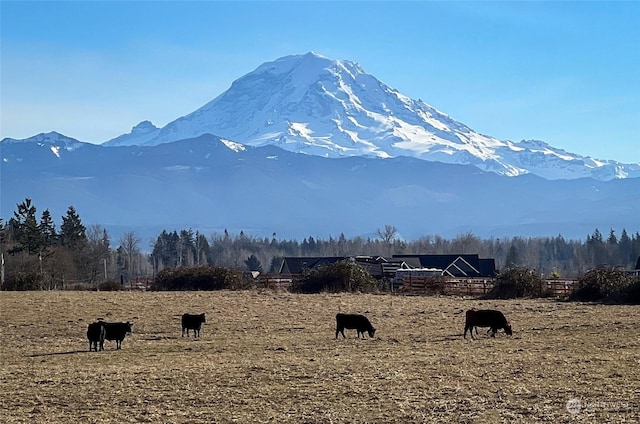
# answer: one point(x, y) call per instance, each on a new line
point(332, 108)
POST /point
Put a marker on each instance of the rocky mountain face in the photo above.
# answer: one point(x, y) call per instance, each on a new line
point(332, 108)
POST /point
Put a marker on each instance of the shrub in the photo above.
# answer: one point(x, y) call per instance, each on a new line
point(633, 292)
point(343, 276)
point(517, 282)
point(78, 287)
point(24, 281)
point(603, 284)
point(200, 278)
point(110, 285)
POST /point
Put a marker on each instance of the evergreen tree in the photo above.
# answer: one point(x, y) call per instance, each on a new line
point(48, 229)
point(73, 233)
point(253, 263)
point(342, 245)
point(596, 248)
point(624, 248)
point(202, 249)
point(186, 248)
point(512, 258)
point(276, 263)
point(26, 228)
point(309, 246)
point(612, 250)
point(165, 250)
point(597, 236)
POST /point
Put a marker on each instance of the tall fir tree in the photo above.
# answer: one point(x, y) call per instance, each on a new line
point(73, 233)
point(512, 259)
point(624, 247)
point(48, 229)
point(26, 228)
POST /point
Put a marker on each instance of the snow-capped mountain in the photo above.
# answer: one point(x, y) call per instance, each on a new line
point(333, 108)
point(53, 141)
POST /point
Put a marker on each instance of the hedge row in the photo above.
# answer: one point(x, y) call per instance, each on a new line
point(201, 278)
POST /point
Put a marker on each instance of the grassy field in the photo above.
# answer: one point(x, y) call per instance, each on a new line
point(272, 357)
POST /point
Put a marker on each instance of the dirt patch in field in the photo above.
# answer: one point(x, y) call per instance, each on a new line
point(268, 357)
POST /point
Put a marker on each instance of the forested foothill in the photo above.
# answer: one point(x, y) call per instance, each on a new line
point(37, 255)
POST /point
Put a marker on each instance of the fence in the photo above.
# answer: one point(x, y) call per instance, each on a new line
point(456, 286)
point(141, 283)
point(412, 284)
point(276, 281)
point(561, 288)
point(476, 286)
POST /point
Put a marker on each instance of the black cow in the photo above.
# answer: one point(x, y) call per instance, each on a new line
point(117, 331)
point(96, 334)
point(360, 323)
point(495, 320)
point(192, 322)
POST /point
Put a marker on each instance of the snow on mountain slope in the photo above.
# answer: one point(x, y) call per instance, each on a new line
point(53, 139)
point(333, 108)
point(40, 146)
point(54, 151)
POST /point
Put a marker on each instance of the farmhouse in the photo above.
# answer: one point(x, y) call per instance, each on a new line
point(455, 266)
point(465, 273)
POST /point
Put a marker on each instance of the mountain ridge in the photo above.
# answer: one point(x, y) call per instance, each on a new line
point(210, 184)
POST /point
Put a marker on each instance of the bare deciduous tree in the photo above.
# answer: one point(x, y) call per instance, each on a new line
point(387, 236)
point(130, 247)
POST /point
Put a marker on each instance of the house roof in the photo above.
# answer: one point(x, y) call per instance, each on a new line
point(463, 265)
point(376, 266)
point(456, 265)
point(638, 263)
point(296, 265)
point(487, 267)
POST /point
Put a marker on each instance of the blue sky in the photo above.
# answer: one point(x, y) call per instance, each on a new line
point(566, 72)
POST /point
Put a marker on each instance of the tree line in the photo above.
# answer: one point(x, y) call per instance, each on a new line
point(36, 254)
point(549, 256)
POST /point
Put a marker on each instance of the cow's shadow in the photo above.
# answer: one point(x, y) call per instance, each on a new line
point(448, 338)
point(71, 352)
point(479, 336)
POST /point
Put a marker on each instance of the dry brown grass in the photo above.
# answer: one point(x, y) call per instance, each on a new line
point(272, 357)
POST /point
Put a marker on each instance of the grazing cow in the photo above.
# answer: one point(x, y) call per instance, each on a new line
point(96, 334)
point(360, 323)
point(192, 322)
point(117, 331)
point(495, 320)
